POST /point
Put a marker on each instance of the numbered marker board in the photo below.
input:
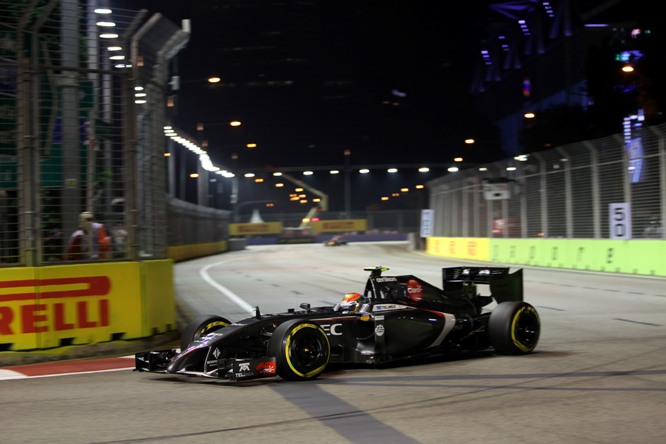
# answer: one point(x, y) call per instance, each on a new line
point(620, 221)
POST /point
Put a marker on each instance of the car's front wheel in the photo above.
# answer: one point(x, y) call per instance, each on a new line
point(201, 326)
point(301, 349)
point(514, 328)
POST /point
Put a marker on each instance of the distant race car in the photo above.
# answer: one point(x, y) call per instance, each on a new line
point(335, 241)
point(396, 319)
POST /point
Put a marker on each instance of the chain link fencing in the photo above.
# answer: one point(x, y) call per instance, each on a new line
point(608, 188)
point(81, 132)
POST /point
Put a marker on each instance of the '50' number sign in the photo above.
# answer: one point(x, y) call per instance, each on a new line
point(620, 221)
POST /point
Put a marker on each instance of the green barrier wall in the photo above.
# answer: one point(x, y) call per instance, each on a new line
point(640, 257)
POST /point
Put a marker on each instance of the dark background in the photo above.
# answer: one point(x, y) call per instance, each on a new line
point(387, 80)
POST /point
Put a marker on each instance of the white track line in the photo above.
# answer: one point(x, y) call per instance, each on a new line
point(10, 374)
point(225, 291)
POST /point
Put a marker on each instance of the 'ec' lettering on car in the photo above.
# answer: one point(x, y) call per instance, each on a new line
point(332, 329)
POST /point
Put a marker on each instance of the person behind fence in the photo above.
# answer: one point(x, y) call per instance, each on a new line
point(119, 237)
point(90, 240)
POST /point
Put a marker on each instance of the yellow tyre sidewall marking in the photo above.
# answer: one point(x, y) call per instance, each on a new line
point(515, 340)
point(288, 352)
point(208, 327)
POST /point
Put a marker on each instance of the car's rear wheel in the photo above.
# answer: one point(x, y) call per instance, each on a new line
point(301, 350)
point(514, 328)
point(201, 326)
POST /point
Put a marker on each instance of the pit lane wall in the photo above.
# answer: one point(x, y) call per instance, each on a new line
point(67, 305)
point(640, 257)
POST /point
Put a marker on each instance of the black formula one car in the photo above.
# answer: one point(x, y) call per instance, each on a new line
point(397, 318)
point(335, 241)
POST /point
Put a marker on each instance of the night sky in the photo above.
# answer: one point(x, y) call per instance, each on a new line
point(387, 80)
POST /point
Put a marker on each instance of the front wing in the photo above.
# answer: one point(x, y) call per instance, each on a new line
point(226, 368)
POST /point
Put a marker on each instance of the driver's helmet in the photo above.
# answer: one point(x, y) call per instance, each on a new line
point(351, 302)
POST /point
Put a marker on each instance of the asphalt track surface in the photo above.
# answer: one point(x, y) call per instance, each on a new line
point(598, 374)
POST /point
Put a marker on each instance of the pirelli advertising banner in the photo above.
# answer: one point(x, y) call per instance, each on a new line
point(49, 307)
point(255, 228)
point(339, 226)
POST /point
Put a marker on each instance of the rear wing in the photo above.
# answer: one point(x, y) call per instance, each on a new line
point(504, 285)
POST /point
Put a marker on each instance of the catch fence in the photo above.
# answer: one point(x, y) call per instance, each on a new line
point(608, 188)
point(82, 115)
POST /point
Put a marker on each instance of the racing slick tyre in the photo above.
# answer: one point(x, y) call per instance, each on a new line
point(513, 328)
point(201, 326)
point(301, 350)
